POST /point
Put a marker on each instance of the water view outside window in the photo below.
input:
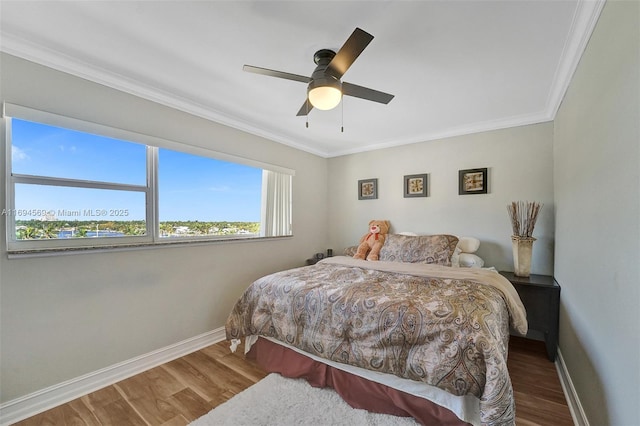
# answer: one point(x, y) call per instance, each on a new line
point(67, 212)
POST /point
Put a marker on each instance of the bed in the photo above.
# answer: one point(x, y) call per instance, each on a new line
point(399, 335)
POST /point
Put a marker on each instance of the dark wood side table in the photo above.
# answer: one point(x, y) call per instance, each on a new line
point(540, 295)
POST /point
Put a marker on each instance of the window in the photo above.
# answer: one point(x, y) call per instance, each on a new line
point(195, 190)
point(77, 184)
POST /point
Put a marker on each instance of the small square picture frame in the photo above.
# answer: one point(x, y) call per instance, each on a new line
point(368, 189)
point(415, 185)
point(472, 181)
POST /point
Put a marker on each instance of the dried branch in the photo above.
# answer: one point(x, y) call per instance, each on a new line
point(523, 215)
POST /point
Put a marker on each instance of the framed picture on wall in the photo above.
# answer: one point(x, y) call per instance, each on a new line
point(368, 189)
point(415, 186)
point(472, 181)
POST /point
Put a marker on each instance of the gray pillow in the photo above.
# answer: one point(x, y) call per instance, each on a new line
point(435, 249)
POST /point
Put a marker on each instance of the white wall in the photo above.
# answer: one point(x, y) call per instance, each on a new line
point(65, 316)
point(597, 195)
point(520, 167)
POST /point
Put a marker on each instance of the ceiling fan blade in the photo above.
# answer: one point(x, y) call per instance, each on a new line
point(304, 109)
point(279, 74)
point(349, 52)
point(365, 93)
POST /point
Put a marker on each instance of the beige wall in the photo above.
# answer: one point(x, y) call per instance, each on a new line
point(597, 196)
point(65, 316)
point(520, 167)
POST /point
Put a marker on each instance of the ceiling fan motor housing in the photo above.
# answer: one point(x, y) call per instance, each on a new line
point(320, 78)
point(323, 57)
point(324, 81)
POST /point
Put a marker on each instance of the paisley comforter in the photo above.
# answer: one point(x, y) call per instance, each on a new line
point(447, 327)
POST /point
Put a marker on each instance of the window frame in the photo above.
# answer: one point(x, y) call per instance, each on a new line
point(150, 189)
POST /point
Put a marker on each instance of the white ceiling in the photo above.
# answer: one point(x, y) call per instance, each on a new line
point(455, 67)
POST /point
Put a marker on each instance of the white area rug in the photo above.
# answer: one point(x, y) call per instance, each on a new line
point(276, 400)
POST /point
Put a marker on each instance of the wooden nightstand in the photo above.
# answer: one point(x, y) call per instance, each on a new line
point(540, 295)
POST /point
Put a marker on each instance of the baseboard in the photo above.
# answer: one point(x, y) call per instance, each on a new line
point(575, 407)
point(45, 399)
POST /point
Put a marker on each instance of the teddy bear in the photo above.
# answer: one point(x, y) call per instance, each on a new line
point(372, 242)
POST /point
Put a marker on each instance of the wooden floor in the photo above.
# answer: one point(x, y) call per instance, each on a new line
point(536, 386)
point(184, 389)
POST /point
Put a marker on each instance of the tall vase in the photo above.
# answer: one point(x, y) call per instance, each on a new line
point(522, 248)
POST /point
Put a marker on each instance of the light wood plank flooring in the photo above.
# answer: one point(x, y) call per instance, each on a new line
point(182, 390)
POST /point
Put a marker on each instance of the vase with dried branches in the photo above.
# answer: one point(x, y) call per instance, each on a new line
point(523, 215)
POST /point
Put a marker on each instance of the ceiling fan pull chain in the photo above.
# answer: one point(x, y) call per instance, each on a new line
point(307, 104)
point(342, 114)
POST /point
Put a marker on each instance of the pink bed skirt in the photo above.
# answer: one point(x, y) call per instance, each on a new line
point(355, 390)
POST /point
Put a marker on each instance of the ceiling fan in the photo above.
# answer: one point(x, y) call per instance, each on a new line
point(325, 90)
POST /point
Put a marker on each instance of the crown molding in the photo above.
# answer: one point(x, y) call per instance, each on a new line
point(485, 126)
point(584, 21)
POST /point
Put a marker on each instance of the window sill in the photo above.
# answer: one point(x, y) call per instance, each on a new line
point(62, 251)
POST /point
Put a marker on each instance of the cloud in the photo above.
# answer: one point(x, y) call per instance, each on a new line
point(219, 189)
point(18, 155)
point(71, 148)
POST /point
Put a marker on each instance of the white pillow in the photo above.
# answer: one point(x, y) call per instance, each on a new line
point(468, 244)
point(469, 260)
point(455, 258)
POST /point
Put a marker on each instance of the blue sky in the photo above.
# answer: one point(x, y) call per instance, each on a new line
point(190, 187)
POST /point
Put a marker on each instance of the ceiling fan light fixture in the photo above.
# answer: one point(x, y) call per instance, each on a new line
point(325, 97)
point(325, 93)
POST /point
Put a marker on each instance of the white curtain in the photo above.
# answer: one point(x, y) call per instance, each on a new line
point(276, 204)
